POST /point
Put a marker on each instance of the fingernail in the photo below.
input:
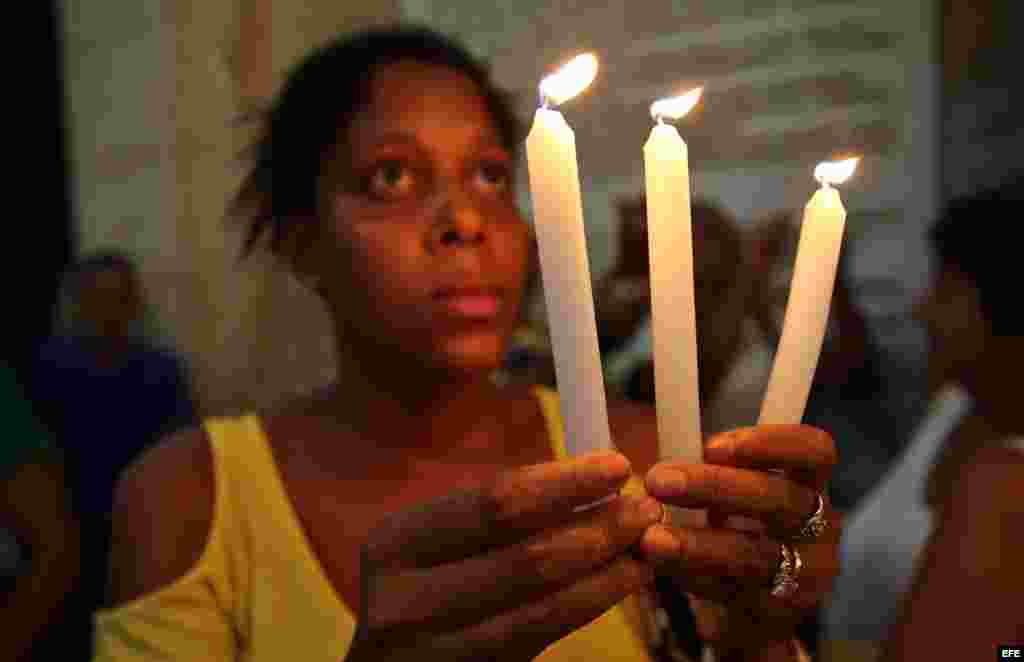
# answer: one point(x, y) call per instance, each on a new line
point(666, 482)
point(613, 465)
point(659, 544)
point(652, 510)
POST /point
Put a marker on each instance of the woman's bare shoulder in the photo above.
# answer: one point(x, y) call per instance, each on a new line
point(993, 478)
point(162, 515)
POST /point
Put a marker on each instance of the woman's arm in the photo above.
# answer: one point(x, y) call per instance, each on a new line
point(163, 516)
point(966, 599)
point(35, 507)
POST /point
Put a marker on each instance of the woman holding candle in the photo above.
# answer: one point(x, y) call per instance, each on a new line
point(419, 511)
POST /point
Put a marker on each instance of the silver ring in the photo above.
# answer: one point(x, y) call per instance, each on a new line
point(815, 524)
point(785, 583)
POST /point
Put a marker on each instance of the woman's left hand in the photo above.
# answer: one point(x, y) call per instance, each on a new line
point(759, 487)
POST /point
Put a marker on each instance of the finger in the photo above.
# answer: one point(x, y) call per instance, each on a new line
point(782, 504)
point(751, 560)
point(808, 453)
point(516, 504)
point(464, 592)
point(819, 569)
point(727, 592)
point(523, 633)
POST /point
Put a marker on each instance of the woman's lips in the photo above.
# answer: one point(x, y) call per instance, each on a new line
point(471, 303)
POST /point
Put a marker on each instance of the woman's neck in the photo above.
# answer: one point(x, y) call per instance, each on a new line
point(411, 408)
point(1000, 409)
point(993, 390)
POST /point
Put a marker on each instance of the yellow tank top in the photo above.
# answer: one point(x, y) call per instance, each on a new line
point(259, 594)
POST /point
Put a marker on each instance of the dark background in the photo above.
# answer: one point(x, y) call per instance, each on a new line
point(40, 188)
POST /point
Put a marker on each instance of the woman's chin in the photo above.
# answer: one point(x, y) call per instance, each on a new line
point(474, 353)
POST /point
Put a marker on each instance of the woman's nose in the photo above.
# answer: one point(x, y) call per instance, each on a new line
point(459, 223)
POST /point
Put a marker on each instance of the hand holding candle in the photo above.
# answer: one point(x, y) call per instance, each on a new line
point(673, 321)
point(561, 242)
point(810, 294)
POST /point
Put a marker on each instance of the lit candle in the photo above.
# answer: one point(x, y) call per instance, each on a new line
point(561, 242)
point(810, 294)
point(673, 322)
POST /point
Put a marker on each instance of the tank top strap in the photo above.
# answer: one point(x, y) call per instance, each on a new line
point(259, 507)
point(550, 406)
point(230, 445)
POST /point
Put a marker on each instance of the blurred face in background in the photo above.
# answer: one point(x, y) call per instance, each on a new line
point(721, 286)
point(774, 244)
point(957, 328)
point(109, 303)
point(422, 252)
point(634, 253)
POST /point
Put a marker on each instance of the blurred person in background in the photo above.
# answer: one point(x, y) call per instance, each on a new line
point(930, 559)
point(622, 297)
point(39, 538)
point(417, 509)
point(734, 360)
point(107, 391)
point(102, 383)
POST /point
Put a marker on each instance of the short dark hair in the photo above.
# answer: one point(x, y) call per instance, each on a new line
point(973, 235)
point(715, 223)
point(318, 102)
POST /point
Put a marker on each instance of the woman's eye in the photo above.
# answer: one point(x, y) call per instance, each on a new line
point(391, 179)
point(494, 176)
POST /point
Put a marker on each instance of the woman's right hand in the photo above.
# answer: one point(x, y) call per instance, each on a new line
point(501, 572)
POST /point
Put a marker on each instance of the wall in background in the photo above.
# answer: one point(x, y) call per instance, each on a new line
point(788, 84)
point(155, 88)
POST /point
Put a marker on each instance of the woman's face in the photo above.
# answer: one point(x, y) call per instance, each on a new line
point(109, 302)
point(422, 248)
point(719, 291)
point(956, 327)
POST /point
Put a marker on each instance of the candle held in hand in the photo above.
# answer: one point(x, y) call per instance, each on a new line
point(673, 320)
point(565, 271)
point(810, 294)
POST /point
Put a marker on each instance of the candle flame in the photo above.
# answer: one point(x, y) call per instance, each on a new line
point(676, 107)
point(835, 172)
point(570, 80)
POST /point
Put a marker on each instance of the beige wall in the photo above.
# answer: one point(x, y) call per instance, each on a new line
point(787, 84)
point(257, 335)
point(153, 88)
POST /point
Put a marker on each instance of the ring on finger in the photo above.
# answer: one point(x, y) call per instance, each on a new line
point(785, 582)
point(815, 525)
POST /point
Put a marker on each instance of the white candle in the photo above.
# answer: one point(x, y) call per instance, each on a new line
point(558, 221)
point(810, 294)
point(673, 321)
